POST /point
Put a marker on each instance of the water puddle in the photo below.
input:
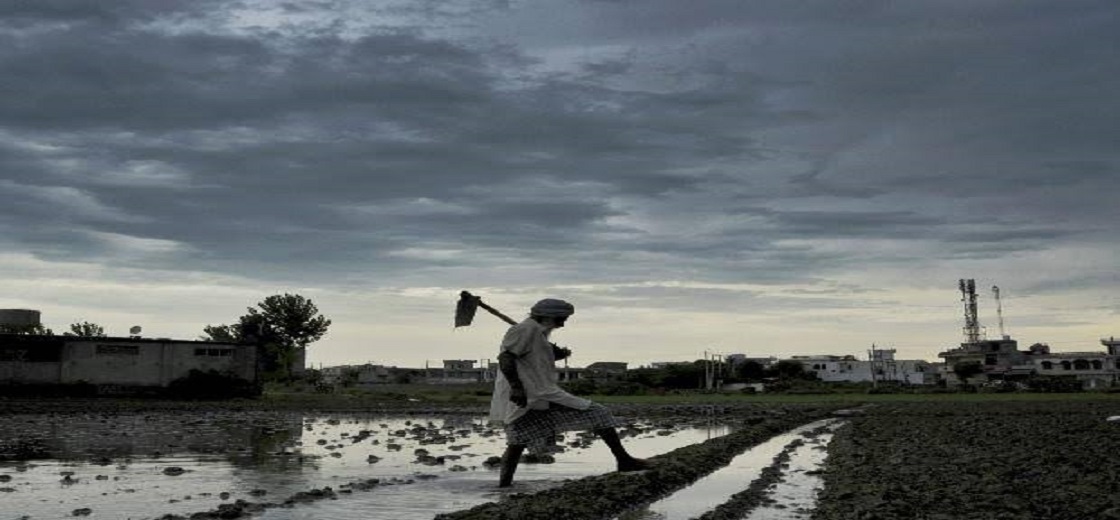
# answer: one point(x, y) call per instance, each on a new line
point(795, 491)
point(144, 466)
point(793, 497)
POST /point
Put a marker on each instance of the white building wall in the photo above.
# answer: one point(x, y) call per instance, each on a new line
point(912, 372)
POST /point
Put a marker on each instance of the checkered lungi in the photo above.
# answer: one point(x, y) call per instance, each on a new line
point(537, 429)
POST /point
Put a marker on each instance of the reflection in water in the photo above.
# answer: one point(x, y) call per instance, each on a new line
point(148, 465)
point(95, 437)
point(716, 488)
point(269, 446)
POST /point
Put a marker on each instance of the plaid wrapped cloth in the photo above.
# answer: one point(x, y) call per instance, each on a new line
point(537, 429)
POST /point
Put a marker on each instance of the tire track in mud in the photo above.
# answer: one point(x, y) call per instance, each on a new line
point(607, 496)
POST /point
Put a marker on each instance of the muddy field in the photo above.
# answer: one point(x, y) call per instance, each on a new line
point(914, 460)
point(995, 460)
point(106, 459)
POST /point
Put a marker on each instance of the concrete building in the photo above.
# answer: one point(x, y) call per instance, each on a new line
point(881, 366)
point(605, 370)
point(115, 364)
point(1001, 360)
point(362, 375)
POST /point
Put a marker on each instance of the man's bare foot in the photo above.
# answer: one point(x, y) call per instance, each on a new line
point(634, 465)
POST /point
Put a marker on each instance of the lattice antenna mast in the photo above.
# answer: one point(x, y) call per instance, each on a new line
point(971, 317)
point(999, 311)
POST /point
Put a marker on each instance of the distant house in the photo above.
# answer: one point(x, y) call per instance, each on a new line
point(605, 370)
point(1001, 360)
point(360, 375)
point(115, 364)
point(882, 367)
point(460, 371)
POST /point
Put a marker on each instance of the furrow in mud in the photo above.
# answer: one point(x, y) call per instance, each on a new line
point(606, 496)
point(761, 465)
point(765, 493)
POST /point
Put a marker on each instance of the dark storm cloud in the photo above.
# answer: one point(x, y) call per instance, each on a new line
point(680, 140)
point(28, 13)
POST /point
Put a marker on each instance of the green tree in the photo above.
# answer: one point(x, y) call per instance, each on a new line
point(294, 319)
point(967, 369)
point(31, 330)
point(86, 329)
point(788, 369)
point(221, 334)
point(750, 371)
point(282, 326)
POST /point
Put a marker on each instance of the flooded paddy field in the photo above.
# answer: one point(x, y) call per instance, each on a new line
point(303, 465)
point(981, 460)
point(745, 471)
point(997, 459)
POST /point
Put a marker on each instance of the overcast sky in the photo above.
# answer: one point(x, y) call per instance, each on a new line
point(766, 177)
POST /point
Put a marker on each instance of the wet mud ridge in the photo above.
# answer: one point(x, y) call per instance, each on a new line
point(613, 494)
point(997, 460)
point(244, 508)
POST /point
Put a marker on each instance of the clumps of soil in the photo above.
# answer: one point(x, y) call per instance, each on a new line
point(244, 509)
point(609, 495)
point(1003, 460)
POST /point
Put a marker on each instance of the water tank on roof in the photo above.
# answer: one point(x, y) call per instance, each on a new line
point(19, 317)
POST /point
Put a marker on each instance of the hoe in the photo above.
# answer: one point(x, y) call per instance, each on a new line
point(469, 304)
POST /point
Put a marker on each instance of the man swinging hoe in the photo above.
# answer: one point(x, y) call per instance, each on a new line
point(527, 399)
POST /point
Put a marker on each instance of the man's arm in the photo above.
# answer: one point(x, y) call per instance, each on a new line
point(507, 363)
point(559, 352)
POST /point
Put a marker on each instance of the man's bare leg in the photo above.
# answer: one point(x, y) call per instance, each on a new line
point(626, 462)
point(509, 464)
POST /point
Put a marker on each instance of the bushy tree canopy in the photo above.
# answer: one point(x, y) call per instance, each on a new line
point(967, 369)
point(280, 325)
point(31, 330)
point(86, 329)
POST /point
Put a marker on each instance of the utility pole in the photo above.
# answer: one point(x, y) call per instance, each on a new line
point(999, 312)
point(871, 360)
point(709, 369)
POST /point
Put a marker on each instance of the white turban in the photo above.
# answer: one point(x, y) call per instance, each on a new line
point(552, 308)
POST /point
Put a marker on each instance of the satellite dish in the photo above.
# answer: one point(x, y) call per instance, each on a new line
point(134, 330)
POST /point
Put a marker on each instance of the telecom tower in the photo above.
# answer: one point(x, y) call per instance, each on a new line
point(971, 319)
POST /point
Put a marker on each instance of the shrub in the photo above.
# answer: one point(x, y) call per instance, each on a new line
point(1054, 385)
point(212, 384)
point(621, 388)
point(581, 386)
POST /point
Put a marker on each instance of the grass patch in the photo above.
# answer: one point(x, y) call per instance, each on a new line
point(478, 394)
point(702, 398)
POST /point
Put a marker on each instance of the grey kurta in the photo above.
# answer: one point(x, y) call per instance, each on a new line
point(536, 367)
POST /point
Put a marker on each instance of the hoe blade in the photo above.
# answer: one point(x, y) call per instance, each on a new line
point(465, 309)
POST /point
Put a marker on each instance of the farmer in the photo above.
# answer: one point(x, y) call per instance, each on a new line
point(528, 402)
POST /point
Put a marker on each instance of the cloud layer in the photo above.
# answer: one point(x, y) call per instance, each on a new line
point(764, 177)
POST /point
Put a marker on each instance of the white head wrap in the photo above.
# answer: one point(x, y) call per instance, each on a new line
point(552, 308)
